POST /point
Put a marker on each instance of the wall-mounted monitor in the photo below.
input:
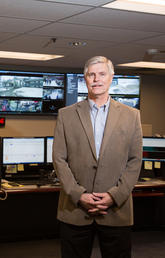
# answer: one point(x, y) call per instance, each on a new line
point(124, 88)
point(31, 92)
point(125, 85)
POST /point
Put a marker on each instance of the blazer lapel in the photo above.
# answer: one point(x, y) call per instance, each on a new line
point(112, 118)
point(84, 115)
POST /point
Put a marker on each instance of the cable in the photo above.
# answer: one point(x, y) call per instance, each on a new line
point(5, 195)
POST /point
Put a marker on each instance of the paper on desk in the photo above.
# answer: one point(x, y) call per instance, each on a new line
point(157, 164)
point(11, 169)
point(10, 185)
point(20, 167)
point(148, 165)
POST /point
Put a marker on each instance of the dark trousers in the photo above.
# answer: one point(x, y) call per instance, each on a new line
point(77, 241)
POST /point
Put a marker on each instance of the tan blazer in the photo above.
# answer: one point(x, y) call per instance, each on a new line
point(79, 171)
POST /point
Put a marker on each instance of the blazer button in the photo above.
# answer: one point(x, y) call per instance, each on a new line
point(95, 167)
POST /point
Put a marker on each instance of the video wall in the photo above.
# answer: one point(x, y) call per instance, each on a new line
point(31, 92)
point(124, 88)
point(41, 93)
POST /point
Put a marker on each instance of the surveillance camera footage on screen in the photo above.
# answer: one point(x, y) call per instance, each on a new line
point(124, 89)
point(44, 93)
point(31, 92)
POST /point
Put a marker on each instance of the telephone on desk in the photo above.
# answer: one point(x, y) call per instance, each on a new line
point(144, 179)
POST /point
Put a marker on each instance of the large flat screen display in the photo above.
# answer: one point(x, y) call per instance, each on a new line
point(31, 92)
point(124, 88)
point(125, 85)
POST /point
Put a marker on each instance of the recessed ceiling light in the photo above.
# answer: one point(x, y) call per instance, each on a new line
point(77, 43)
point(146, 6)
point(143, 64)
point(28, 56)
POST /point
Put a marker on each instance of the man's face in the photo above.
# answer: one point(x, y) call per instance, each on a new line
point(98, 80)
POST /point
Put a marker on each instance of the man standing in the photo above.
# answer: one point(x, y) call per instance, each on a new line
point(97, 155)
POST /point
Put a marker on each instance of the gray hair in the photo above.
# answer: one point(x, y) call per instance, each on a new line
point(97, 60)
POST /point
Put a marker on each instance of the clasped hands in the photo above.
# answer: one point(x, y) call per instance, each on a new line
point(96, 203)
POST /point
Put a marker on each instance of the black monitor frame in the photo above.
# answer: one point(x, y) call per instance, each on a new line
point(48, 164)
point(46, 148)
point(154, 152)
point(73, 93)
point(37, 103)
point(30, 169)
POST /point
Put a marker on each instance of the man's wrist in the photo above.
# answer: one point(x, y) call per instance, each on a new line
point(112, 200)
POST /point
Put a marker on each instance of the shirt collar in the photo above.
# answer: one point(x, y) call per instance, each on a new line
point(92, 104)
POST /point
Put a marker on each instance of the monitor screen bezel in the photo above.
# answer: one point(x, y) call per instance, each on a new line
point(50, 109)
point(159, 149)
point(25, 163)
point(46, 149)
point(84, 95)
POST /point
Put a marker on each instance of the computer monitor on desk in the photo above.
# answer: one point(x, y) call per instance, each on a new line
point(22, 156)
point(49, 147)
point(153, 157)
point(48, 153)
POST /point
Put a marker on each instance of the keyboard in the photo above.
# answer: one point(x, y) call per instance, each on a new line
point(38, 182)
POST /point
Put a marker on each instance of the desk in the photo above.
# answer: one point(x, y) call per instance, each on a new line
point(149, 204)
point(31, 211)
point(153, 187)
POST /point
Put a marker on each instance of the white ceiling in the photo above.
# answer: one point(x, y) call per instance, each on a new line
point(122, 36)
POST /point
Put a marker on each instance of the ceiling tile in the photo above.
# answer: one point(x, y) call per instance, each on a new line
point(38, 10)
point(17, 25)
point(5, 36)
point(158, 41)
point(120, 19)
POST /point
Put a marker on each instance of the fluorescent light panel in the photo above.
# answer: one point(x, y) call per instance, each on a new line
point(145, 6)
point(28, 56)
point(143, 64)
point(157, 2)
